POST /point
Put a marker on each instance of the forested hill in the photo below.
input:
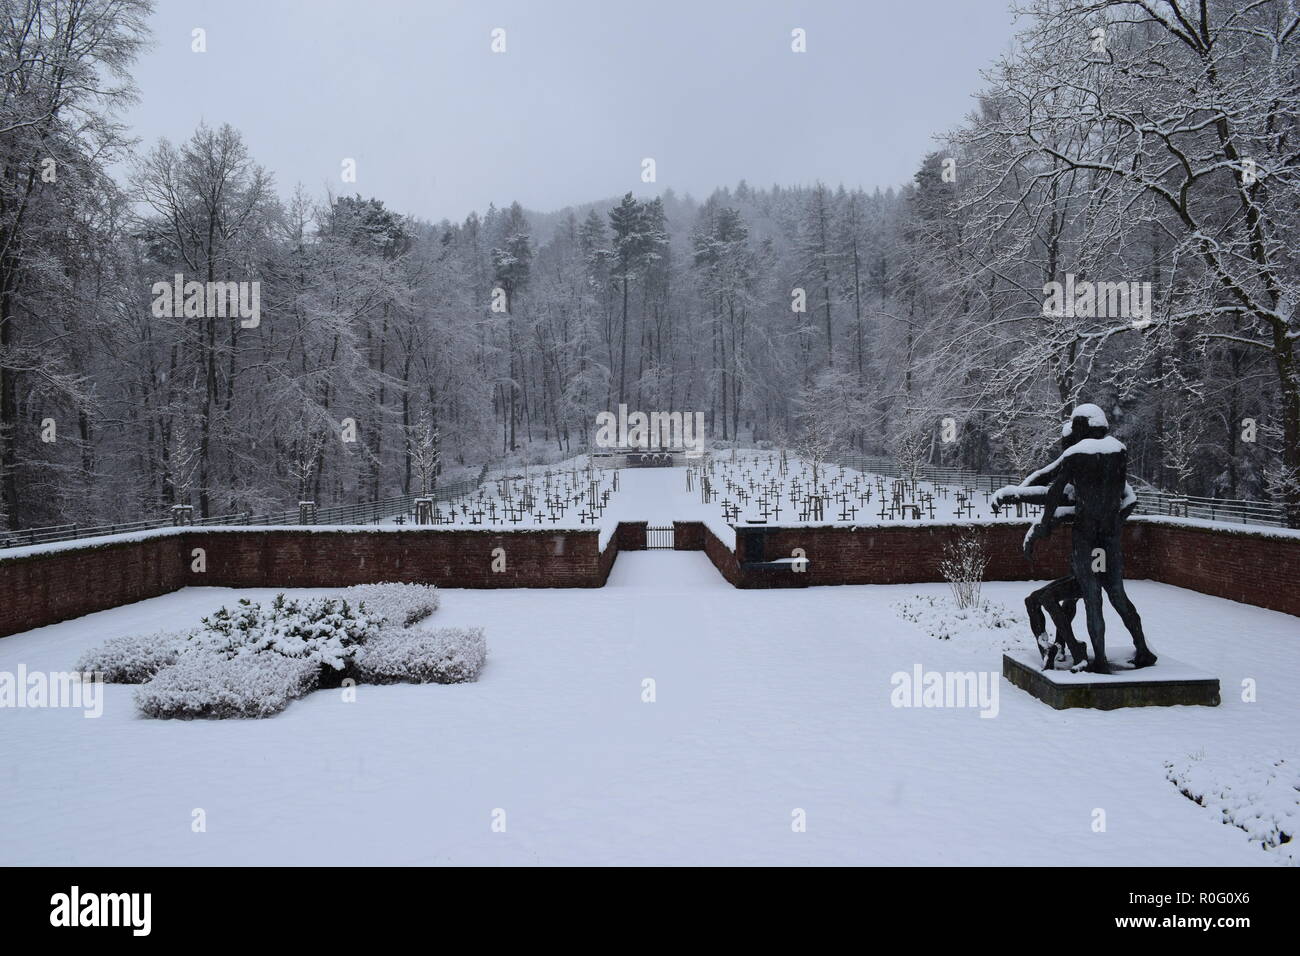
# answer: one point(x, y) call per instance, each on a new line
point(1157, 184)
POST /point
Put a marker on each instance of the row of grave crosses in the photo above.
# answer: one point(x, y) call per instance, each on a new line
point(760, 480)
point(763, 480)
point(552, 496)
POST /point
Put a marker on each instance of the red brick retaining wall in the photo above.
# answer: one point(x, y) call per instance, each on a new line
point(1251, 566)
point(688, 535)
point(1254, 567)
point(47, 588)
point(631, 535)
point(723, 557)
point(454, 559)
point(67, 582)
point(906, 554)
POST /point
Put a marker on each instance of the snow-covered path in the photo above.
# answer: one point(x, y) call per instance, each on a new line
point(767, 701)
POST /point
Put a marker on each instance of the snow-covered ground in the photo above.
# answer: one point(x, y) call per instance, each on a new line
point(767, 703)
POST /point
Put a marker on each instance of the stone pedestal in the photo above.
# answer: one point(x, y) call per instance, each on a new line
point(1168, 682)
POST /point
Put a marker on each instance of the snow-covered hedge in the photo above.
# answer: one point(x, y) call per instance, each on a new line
point(1259, 794)
point(135, 658)
point(211, 685)
point(251, 660)
point(445, 655)
point(398, 604)
point(325, 631)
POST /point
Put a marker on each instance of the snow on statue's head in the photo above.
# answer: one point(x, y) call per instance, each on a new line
point(1086, 421)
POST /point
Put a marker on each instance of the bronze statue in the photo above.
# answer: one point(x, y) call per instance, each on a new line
point(1085, 485)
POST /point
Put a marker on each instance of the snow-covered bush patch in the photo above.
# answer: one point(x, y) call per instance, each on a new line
point(445, 655)
point(985, 625)
point(251, 659)
point(135, 658)
point(212, 685)
point(398, 604)
point(1258, 794)
point(325, 631)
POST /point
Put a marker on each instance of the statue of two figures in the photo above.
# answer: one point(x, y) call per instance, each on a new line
point(1087, 487)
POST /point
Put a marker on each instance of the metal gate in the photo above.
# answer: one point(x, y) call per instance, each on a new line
point(659, 537)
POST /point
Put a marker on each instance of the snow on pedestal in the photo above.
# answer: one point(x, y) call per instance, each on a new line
point(1167, 683)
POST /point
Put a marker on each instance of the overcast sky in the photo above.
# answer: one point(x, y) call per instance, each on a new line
point(586, 89)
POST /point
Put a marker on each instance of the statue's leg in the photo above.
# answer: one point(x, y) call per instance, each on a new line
point(1078, 649)
point(1047, 597)
point(1113, 580)
point(1037, 620)
point(1034, 604)
point(1062, 599)
point(1091, 590)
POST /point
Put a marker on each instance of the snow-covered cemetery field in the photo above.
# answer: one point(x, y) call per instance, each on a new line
point(721, 489)
point(765, 704)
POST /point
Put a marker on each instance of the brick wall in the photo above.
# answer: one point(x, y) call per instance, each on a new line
point(47, 588)
point(631, 535)
point(1252, 568)
point(906, 554)
point(688, 535)
point(456, 559)
point(70, 581)
point(723, 557)
point(44, 588)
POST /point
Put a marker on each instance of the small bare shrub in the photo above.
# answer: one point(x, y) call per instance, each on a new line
point(963, 567)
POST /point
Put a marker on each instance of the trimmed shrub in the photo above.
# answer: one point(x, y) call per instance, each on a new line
point(203, 684)
point(326, 631)
point(251, 660)
point(445, 655)
point(400, 605)
point(135, 658)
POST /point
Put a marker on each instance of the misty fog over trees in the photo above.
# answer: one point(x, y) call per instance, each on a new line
point(1163, 150)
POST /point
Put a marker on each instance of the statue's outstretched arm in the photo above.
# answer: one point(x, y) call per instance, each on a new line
point(1055, 495)
point(1031, 490)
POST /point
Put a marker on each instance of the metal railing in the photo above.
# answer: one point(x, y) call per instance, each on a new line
point(1151, 501)
point(1154, 502)
point(366, 512)
point(939, 474)
point(659, 537)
